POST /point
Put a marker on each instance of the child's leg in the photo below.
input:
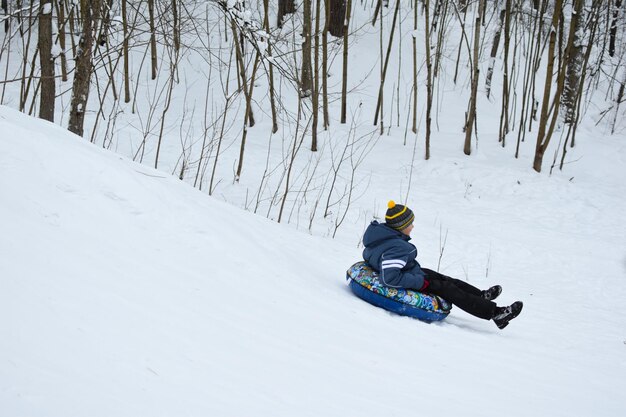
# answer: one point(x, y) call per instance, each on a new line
point(467, 301)
point(461, 284)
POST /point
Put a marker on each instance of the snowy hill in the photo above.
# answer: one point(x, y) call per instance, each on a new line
point(126, 292)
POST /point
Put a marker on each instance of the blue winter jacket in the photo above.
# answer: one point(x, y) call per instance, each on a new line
point(389, 252)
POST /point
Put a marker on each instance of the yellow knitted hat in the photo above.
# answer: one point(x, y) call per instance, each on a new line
point(398, 217)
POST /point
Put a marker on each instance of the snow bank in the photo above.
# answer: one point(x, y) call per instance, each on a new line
point(125, 292)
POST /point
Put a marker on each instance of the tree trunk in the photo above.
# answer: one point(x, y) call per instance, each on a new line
point(337, 17)
point(5, 7)
point(325, 64)
point(61, 24)
point(494, 52)
point(266, 26)
point(344, 84)
point(614, 25)
point(414, 127)
point(153, 46)
point(504, 115)
point(176, 25)
point(126, 53)
point(574, 63)
point(306, 81)
point(387, 55)
point(471, 116)
point(285, 7)
point(90, 13)
point(429, 75)
point(316, 77)
point(542, 138)
point(46, 102)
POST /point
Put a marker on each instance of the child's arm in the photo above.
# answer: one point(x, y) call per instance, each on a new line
point(391, 272)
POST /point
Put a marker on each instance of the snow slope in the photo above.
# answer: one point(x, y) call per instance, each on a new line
point(125, 292)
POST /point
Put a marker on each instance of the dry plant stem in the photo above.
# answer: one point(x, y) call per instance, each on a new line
point(524, 114)
point(294, 152)
point(6, 71)
point(26, 81)
point(227, 97)
point(442, 247)
point(168, 101)
point(34, 99)
point(206, 108)
point(110, 84)
point(461, 39)
point(384, 71)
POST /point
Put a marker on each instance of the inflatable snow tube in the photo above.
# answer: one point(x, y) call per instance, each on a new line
point(364, 283)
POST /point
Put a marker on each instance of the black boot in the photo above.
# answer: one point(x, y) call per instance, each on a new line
point(503, 315)
point(492, 293)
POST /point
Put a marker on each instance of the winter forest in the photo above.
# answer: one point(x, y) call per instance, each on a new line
point(274, 105)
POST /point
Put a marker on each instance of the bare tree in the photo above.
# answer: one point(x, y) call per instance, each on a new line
point(46, 103)
point(504, 114)
point(429, 76)
point(614, 24)
point(344, 83)
point(316, 77)
point(336, 20)
point(90, 16)
point(325, 63)
point(266, 26)
point(574, 63)
point(414, 44)
point(306, 81)
point(494, 51)
point(5, 6)
point(125, 48)
point(285, 7)
point(471, 114)
point(153, 45)
point(544, 135)
point(384, 71)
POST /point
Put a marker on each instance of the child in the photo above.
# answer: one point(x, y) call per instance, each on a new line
point(388, 251)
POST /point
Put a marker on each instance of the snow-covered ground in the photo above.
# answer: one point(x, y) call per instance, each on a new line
point(126, 292)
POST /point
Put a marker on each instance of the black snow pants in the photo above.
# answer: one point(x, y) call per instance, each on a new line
point(463, 295)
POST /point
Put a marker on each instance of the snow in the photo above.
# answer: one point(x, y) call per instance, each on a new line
point(127, 292)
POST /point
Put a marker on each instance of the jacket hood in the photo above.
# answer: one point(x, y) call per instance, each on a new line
point(379, 232)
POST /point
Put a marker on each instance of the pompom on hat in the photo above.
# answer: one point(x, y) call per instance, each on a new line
point(398, 217)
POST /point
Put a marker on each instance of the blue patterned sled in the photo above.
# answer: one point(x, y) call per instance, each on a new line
point(364, 283)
